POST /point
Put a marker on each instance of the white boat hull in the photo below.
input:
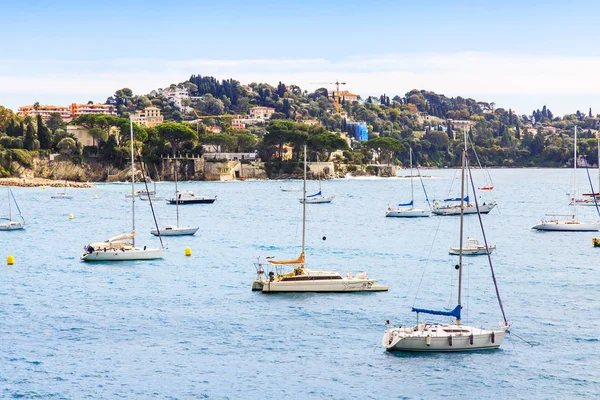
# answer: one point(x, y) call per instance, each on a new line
point(12, 226)
point(455, 251)
point(567, 226)
point(61, 196)
point(408, 213)
point(327, 285)
point(455, 210)
point(406, 339)
point(318, 200)
point(124, 255)
point(171, 230)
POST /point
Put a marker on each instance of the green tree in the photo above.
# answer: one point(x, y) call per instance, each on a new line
point(245, 142)
point(327, 143)
point(385, 147)
point(175, 133)
point(55, 122)
point(43, 134)
point(67, 146)
point(29, 142)
point(221, 141)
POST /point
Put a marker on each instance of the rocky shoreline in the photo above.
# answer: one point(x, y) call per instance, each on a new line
point(35, 182)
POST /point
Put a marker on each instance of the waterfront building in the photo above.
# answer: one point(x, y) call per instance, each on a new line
point(149, 117)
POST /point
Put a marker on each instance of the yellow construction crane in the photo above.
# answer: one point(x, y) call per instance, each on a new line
point(336, 94)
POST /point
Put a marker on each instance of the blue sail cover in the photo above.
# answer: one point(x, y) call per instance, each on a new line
point(457, 199)
point(454, 313)
point(406, 204)
point(314, 195)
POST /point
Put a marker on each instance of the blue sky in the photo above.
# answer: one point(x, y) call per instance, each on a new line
point(519, 55)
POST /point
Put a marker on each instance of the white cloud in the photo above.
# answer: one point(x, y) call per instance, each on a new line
point(513, 77)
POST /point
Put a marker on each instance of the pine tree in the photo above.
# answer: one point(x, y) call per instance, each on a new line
point(43, 133)
point(28, 143)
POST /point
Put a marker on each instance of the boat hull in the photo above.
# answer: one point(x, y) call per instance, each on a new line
point(420, 342)
point(455, 251)
point(567, 226)
point(320, 286)
point(206, 200)
point(61, 197)
point(124, 255)
point(175, 231)
point(318, 200)
point(455, 210)
point(408, 213)
point(12, 226)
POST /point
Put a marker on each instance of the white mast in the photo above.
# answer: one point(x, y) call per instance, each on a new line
point(575, 173)
point(132, 181)
point(598, 167)
point(462, 215)
point(9, 211)
point(176, 199)
point(412, 191)
point(304, 205)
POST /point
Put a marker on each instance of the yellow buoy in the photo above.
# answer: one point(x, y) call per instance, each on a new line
point(70, 216)
point(43, 187)
point(95, 196)
point(10, 260)
point(188, 251)
point(596, 242)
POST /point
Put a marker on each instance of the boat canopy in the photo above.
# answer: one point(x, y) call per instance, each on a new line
point(410, 203)
point(314, 195)
point(122, 237)
point(299, 260)
point(110, 246)
point(454, 313)
point(457, 199)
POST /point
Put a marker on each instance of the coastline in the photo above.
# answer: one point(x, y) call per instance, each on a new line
point(35, 182)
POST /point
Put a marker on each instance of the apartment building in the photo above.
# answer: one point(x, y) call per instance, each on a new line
point(45, 111)
point(98, 108)
point(149, 117)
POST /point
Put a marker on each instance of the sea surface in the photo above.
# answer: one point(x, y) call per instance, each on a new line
point(190, 327)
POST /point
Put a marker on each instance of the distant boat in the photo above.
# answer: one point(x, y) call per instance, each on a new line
point(62, 195)
point(473, 248)
point(187, 197)
point(568, 222)
point(7, 224)
point(408, 209)
point(175, 230)
point(118, 248)
point(318, 197)
point(289, 189)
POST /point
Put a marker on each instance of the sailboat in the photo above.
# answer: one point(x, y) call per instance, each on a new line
point(408, 209)
point(62, 195)
point(588, 198)
point(437, 337)
point(175, 230)
point(568, 222)
point(318, 197)
point(118, 248)
point(302, 279)
point(7, 224)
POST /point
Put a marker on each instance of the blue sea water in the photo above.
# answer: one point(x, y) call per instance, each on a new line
point(190, 327)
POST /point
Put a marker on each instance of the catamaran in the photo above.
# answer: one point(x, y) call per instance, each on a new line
point(438, 337)
point(408, 209)
point(302, 279)
point(175, 230)
point(119, 248)
point(568, 222)
point(8, 224)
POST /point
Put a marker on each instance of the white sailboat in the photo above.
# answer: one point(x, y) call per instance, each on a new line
point(472, 248)
point(589, 199)
point(118, 248)
point(62, 195)
point(437, 337)
point(175, 230)
point(318, 197)
point(302, 279)
point(408, 209)
point(7, 224)
point(568, 222)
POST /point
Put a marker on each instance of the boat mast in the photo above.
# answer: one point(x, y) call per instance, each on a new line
point(462, 216)
point(176, 199)
point(412, 191)
point(598, 168)
point(132, 181)
point(575, 174)
point(9, 212)
point(304, 205)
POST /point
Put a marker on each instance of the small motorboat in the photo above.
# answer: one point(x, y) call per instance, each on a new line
point(187, 197)
point(472, 248)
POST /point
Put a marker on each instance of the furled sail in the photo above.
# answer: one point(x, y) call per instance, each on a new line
point(454, 313)
point(299, 260)
point(457, 199)
point(122, 237)
point(314, 195)
point(409, 204)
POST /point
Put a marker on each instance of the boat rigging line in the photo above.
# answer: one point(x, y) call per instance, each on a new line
point(150, 201)
point(591, 186)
